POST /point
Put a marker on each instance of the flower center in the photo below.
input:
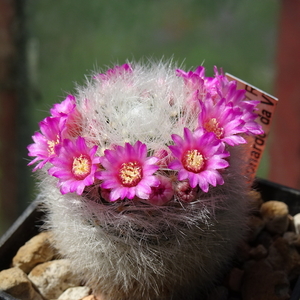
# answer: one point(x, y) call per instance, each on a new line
point(130, 174)
point(193, 161)
point(51, 146)
point(214, 126)
point(81, 166)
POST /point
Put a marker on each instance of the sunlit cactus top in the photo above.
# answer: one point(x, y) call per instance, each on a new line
point(145, 131)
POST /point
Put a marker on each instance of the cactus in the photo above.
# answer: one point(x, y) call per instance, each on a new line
point(141, 174)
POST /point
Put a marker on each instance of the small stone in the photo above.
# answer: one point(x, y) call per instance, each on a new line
point(291, 226)
point(276, 216)
point(94, 297)
point(256, 225)
point(297, 223)
point(285, 257)
point(242, 251)
point(255, 200)
point(261, 282)
point(91, 297)
point(53, 278)
point(75, 293)
point(258, 252)
point(16, 283)
point(37, 250)
point(276, 257)
point(292, 238)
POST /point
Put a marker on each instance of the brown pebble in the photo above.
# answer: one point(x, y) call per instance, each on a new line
point(291, 226)
point(296, 220)
point(292, 238)
point(90, 297)
point(261, 282)
point(37, 250)
point(275, 214)
point(255, 225)
point(283, 256)
point(242, 251)
point(16, 283)
point(255, 200)
point(258, 252)
point(53, 278)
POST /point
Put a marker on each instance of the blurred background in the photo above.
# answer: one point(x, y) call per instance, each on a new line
point(47, 47)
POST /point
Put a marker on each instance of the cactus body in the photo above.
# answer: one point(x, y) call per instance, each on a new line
point(143, 180)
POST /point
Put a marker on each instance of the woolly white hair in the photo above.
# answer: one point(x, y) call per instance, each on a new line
point(145, 105)
point(132, 249)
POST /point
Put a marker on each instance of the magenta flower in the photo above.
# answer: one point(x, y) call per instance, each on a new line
point(199, 156)
point(75, 166)
point(193, 79)
point(128, 172)
point(222, 120)
point(249, 117)
point(47, 143)
point(162, 193)
point(199, 87)
point(228, 90)
point(197, 82)
point(219, 88)
point(117, 70)
point(63, 108)
point(67, 109)
point(185, 192)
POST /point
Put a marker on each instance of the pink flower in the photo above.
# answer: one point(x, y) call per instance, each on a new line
point(117, 70)
point(128, 171)
point(228, 90)
point(196, 81)
point(75, 166)
point(219, 88)
point(67, 109)
point(193, 79)
point(47, 143)
point(163, 193)
point(222, 120)
point(249, 117)
point(199, 155)
point(63, 108)
point(185, 192)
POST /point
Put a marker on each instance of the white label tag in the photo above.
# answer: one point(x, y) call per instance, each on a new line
point(265, 112)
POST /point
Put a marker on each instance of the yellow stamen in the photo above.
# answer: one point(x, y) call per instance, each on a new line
point(81, 166)
point(51, 146)
point(130, 174)
point(214, 126)
point(193, 161)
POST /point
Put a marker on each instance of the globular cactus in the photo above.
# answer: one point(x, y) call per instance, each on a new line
point(142, 175)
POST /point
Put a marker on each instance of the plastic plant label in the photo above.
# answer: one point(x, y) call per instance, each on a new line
point(266, 108)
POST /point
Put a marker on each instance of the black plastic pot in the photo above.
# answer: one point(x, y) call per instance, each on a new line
point(23, 229)
point(29, 223)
